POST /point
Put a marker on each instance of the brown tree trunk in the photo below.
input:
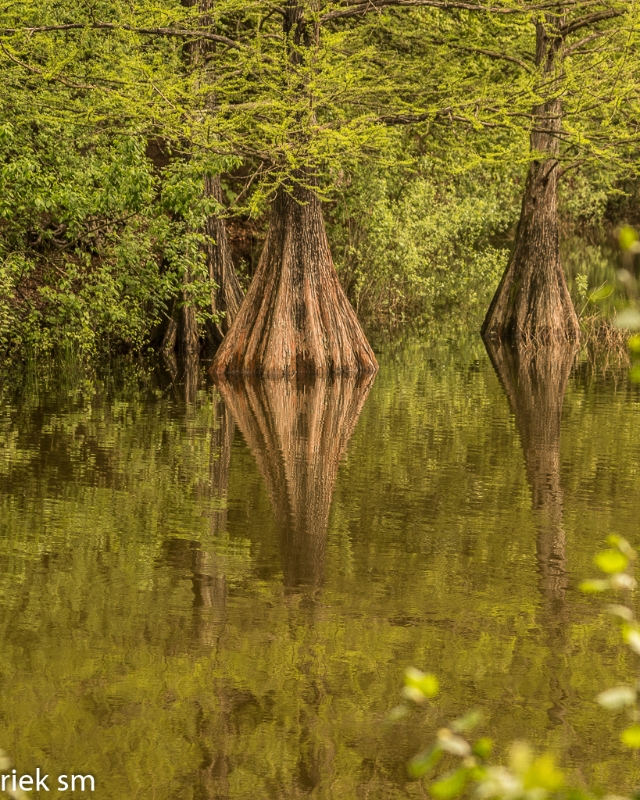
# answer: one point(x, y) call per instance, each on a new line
point(190, 336)
point(226, 295)
point(298, 432)
point(296, 318)
point(532, 303)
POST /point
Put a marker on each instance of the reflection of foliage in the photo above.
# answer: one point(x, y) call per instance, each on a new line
point(110, 667)
point(526, 777)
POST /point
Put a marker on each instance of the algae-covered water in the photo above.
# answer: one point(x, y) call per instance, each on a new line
point(213, 593)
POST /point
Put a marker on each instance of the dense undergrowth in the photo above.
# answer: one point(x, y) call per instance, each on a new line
point(95, 238)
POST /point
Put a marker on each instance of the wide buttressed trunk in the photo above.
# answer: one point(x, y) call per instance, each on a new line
point(296, 318)
point(298, 431)
point(532, 303)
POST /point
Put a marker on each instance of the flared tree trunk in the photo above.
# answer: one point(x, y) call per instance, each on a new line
point(532, 303)
point(296, 318)
point(298, 432)
point(226, 295)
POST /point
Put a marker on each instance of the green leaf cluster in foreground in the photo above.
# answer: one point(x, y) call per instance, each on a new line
point(525, 776)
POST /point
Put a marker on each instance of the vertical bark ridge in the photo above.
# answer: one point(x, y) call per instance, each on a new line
point(296, 318)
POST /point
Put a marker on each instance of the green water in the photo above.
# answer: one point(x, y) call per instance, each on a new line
point(200, 600)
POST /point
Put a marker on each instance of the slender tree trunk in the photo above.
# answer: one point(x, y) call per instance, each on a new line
point(296, 318)
point(226, 296)
point(190, 335)
point(532, 302)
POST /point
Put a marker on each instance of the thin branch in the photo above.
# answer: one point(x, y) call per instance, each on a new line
point(355, 7)
point(112, 26)
point(585, 22)
point(582, 42)
point(42, 74)
point(497, 56)
point(574, 165)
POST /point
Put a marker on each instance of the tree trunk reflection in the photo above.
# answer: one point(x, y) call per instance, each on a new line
point(535, 381)
point(297, 432)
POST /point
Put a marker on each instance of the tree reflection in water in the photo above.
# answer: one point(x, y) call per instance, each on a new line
point(298, 431)
point(535, 381)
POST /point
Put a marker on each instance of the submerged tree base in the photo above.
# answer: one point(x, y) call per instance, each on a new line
point(296, 318)
point(532, 304)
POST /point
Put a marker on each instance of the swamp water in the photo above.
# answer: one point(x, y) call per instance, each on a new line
point(215, 595)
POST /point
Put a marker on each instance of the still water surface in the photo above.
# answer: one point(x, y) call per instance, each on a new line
point(214, 593)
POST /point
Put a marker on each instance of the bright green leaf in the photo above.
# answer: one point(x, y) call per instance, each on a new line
point(450, 786)
point(631, 737)
point(594, 586)
point(424, 762)
point(611, 561)
point(627, 237)
point(483, 747)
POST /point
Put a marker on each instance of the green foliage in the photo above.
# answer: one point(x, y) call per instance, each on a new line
point(98, 245)
point(412, 243)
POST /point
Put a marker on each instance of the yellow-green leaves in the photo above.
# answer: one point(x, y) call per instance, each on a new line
point(424, 762)
point(627, 237)
point(451, 785)
point(631, 737)
point(419, 686)
point(634, 344)
point(467, 722)
point(611, 561)
point(594, 585)
point(631, 635)
point(483, 747)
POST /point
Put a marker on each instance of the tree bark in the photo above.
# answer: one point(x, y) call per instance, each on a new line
point(298, 432)
point(190, 335)
point(296, 318)
point(226, 295)
point(532, 303)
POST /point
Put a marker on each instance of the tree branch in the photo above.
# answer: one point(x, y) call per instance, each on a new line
point(585, 22)
point(356, 7)
point(41, 73)
point(112, 26)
